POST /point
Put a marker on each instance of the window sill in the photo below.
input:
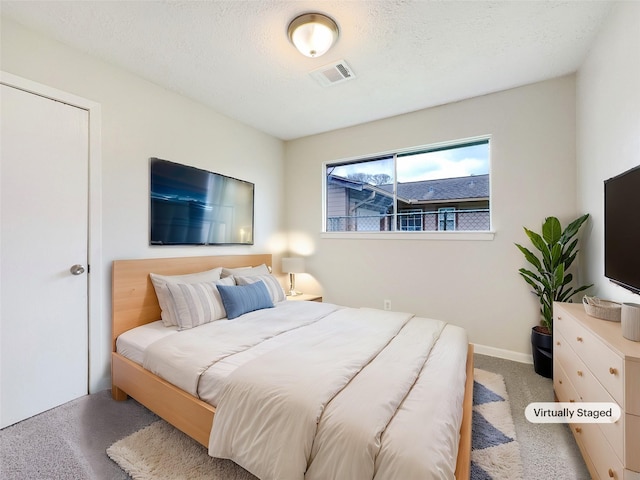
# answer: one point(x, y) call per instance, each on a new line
point(468, 236)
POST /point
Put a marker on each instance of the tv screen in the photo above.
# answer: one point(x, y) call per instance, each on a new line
point(622, 229)
point(190, 206)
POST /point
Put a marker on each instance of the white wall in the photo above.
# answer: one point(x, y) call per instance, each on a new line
point(474, 284)
point(141, 120)
point(608, 130)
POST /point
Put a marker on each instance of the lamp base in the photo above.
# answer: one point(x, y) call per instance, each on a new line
point(292, 286)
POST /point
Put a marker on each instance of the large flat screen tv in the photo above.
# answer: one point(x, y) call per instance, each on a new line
point(622, 229)
point(190, 206)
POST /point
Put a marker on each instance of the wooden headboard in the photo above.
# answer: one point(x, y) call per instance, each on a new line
point(134, 300)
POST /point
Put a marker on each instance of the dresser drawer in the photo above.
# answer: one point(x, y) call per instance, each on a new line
point(564, 361)
point(586, 388)
point(561, 384)
point(603, 362)
point(605, 462)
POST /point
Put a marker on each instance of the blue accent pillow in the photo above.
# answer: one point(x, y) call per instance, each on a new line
point(241, 299)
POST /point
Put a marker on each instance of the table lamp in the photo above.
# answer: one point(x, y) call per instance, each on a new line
point(293, 265)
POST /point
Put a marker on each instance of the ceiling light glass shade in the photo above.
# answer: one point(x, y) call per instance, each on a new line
point(313, 34)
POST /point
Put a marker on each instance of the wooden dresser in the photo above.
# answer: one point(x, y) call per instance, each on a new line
point(593, 362)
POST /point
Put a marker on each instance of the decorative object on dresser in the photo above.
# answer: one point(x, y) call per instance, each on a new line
point(603, 309)
point(593, 362)
point(551, 281)
point(293, 265)
point(631, 321)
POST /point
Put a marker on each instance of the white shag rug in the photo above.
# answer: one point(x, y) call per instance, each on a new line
point(161, 452)
point(495, 452)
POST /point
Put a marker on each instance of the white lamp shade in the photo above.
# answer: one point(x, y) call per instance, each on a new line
point(293, 265)
point(313, 34)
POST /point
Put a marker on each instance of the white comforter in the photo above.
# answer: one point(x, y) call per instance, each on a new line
point(343, 393)
point(182, 359)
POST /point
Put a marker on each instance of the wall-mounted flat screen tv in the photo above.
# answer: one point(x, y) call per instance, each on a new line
point(190, 206)
point(622, 229)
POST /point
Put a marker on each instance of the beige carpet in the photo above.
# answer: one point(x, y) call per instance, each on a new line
point(160, 452)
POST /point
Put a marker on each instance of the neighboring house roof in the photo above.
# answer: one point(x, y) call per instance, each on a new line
point(475, 187)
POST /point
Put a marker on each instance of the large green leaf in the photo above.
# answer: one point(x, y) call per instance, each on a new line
point(573, 227)
point(556, 255)
point(530, 257)
point(537, 240)
point(542, 247)
point(568, 254)
point(551, 230)
point(558, 277)
point(576, 291)
point(536, 288)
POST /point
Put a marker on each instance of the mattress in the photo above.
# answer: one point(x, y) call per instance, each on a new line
point(133, 343)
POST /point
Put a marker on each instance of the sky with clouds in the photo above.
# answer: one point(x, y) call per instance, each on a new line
point(450, 163)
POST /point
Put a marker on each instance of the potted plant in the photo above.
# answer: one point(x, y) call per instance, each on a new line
point(550, 279)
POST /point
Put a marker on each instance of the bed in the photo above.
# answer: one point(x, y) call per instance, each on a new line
point(135, 304)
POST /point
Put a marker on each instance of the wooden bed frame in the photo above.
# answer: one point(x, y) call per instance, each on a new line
point(134, 303)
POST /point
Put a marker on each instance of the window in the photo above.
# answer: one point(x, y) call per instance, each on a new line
point(432, 188)
point(447, 218)
point(411, 220)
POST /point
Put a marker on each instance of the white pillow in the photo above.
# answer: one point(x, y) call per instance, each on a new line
point(197, 303)
point(273, 285)
point(160, 285)
point(246, 271)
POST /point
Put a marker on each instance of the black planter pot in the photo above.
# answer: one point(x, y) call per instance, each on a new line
point(542, 349)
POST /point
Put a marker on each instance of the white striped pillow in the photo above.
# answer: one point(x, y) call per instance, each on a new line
point(160, 282)
point(273, 285)
point(197, 303)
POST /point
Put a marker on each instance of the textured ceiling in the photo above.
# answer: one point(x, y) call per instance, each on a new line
point(407, 55)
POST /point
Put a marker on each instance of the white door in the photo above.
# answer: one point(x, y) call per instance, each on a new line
point(43, 233)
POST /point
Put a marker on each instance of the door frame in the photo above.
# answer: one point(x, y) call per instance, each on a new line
point(98, 338)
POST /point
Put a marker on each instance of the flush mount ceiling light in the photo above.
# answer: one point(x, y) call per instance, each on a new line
point(313, 34)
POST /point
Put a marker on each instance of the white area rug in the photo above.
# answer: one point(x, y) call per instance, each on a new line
point(160, 452)
point(495, 453)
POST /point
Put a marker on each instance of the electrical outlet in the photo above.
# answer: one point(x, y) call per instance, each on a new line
point(387, 304)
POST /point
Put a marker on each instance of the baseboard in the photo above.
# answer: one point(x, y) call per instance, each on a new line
point(501, 353)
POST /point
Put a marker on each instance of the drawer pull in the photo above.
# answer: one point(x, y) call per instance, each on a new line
point(558, 343)
point(611, 473)
point(560, 382)
point(613, 371)
point(579, 339)
point(579, 373)
point(559, 317)
point(578, 430)
point(571, 400)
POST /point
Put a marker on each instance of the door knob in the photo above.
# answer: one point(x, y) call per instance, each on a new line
point(76, 269)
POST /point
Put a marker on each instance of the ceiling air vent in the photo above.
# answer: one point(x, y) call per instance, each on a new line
point(334, 73)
